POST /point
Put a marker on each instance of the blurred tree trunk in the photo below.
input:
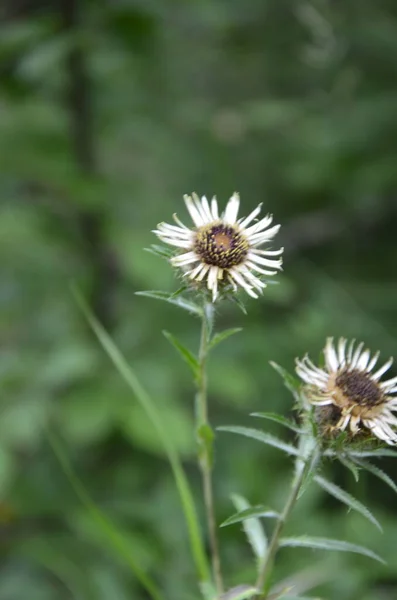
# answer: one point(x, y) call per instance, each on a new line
point(91, 221)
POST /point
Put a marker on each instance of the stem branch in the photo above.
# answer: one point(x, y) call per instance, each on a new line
point(273, 545)
point(205, 438)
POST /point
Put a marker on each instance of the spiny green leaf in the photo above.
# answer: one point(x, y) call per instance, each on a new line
point(377, 472)
point(182, 484)
point(261, 436)
point(223, 335)
point(178, 301)
point(253, 529)
point(378, 452)
point(347, 499)
point(278, 419)
point(187, 356)
point(318, 543)
point(241, 592)
point(349, 464)
point(254, 511)
point(290, 382)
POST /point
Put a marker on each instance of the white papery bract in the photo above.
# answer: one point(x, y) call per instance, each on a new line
point(349, 383)
point(223, 249)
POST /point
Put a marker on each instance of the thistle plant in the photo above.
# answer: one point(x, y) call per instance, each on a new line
point(343, 410)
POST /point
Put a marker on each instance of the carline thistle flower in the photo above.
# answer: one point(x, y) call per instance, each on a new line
point(222, 249)
point(349, 386)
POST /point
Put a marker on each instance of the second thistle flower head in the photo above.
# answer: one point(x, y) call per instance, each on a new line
point(223, 249)
point(350, 392)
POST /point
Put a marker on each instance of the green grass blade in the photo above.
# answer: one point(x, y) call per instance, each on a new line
point(103, 522)
point(149, 407)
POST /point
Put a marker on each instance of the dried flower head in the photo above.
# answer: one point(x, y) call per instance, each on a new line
point(222, 249)
point(362, 403)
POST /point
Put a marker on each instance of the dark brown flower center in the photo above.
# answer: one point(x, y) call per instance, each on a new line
point(358, 388)
point(221, 245)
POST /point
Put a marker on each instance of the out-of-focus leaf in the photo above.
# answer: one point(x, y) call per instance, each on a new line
point(253, 511)
point(105, 525)
point(223, 335)
point(253, 529)
point(241, 592)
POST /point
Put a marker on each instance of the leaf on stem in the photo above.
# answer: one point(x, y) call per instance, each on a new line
point(253, 529)
point(223, 335)
point(347, 462)
point(254, 511)
point(179, 300)
point(187, 356)
point(241, 592)
point(290, 382)
point(364, 464)
point(278, 419)
point(318, 543)
point(347, 499)
point(261, 436)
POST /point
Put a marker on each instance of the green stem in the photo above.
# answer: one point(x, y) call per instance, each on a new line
point(267, 564)
point(205, 438)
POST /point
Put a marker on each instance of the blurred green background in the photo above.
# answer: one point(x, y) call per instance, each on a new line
point(109, 112)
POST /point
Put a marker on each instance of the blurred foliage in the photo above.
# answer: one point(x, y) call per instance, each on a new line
point(109, 112)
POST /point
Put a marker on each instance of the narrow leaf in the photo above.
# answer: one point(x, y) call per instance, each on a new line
point(317, 543)
point(223, 335)
point(161, 251)
point(241, 592)
point(252, 528)
point(187, 356)
point(290, 382)
point(261, 436)
point(364, 464)
point(104, 524)
point(177, 301)
point(182, 484)
point(378, 452)
point(349, 464)
point(278, 419)
point(253, 511)
point(239, 303)
point(347, 499)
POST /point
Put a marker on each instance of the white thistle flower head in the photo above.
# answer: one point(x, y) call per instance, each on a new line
point(223, 249)
point(350, 389)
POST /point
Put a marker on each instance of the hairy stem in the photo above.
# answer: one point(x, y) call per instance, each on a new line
point(267, 564)
point(205, 439)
